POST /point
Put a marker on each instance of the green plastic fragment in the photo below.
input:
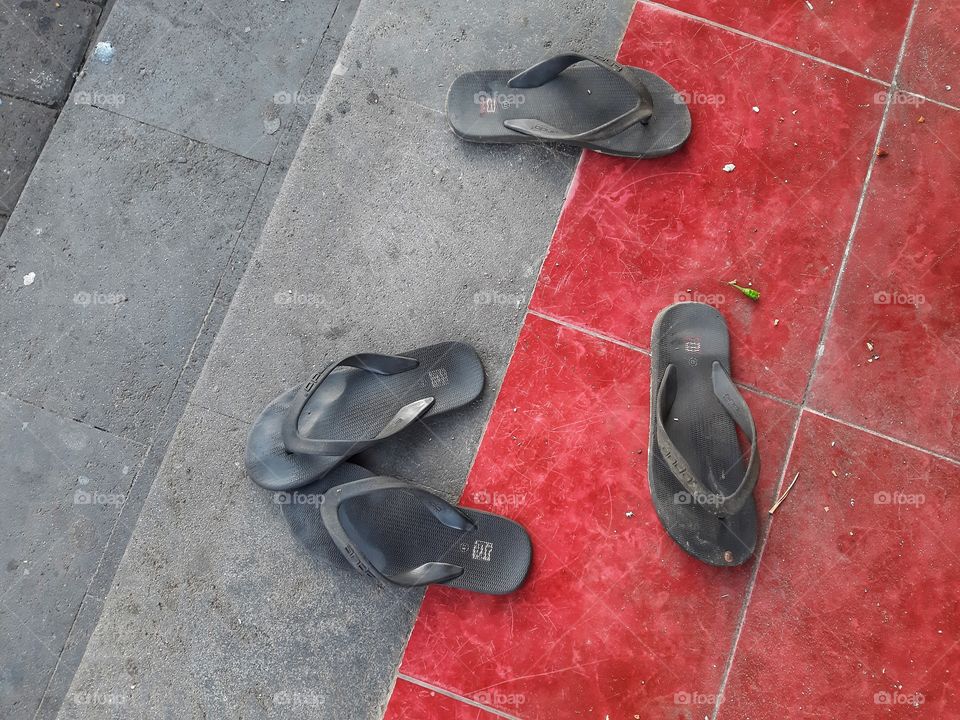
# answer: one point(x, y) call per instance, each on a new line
point(749, 292)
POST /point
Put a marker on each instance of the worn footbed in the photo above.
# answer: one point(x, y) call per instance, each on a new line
point(577, 100)
point(353, 404)
point(691, 336)
point(395, 531)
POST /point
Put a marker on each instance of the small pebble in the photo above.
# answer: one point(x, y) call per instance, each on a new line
point(629, 513)
point(729, 167)
point(29, 278)
point(756, 109)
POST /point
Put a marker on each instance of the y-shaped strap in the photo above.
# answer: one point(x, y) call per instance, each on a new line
point(733, 403)
point(293, 441)
point(547, 70)
point(424, 574)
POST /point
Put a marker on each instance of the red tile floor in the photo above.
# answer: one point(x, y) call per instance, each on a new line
point(842, 211)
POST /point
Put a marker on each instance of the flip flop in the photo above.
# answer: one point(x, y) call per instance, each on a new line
point(354, 404)
point(702, 492)
point(611, 108)
point(398, 533)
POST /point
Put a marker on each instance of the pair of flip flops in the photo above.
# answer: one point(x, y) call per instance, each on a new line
point(391, 530)
point(601, 105)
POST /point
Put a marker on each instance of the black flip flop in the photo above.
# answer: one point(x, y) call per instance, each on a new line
point(607, 107)
point(354, 404)
point(402, 534)
point(702, 492)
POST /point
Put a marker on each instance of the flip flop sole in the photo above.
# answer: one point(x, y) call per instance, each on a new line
point(352, 404)
point(478, 103)
point(691, 336)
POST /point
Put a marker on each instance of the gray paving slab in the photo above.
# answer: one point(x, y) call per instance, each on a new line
point(56, 690)
point(24, 127)
point(222, 72)
point(42, 43)
point(415, 49)
point(216, 613)
point(387, 233)
point(127, 229)
point(61, 490)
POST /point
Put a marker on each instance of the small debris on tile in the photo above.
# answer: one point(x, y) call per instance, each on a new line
point(869, 346)
point(783, 497)
point(921, 119)
point(808, 4)
point(515, 409)
point(833, 444)
point(834, 473)
point(629, 513)
point(728, 556)
point(793, 112)
point(776, 321)
point(748, 291)
point(103, 52)
point(826, 508)
point(851, 505)
point(729, 167)
point(872, 358)
point(29, 278)
point(882, 152)
point(949, 87)
point(755, 109)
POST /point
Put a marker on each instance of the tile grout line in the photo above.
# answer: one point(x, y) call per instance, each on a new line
point(454, 696)
point(883, 436)
point(764, 41)
point(588, 331)
point(754, 573)
point(847, 251)
point(751, 585)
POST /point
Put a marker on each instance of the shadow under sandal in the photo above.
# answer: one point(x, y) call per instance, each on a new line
point(401, 534)
point(701, 489)
point(611, 108)
point(354, 404)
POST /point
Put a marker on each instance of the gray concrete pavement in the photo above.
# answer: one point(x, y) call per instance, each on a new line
point(119, 262)
point(384, 232)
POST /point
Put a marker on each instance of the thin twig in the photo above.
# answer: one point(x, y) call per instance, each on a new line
point(784, 496)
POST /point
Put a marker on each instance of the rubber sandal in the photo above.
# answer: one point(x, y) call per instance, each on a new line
point(354, 404)
point(611, 108)
point(401, 534)
point(702, 492)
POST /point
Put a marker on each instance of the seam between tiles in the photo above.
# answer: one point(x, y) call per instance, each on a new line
point(454, 696)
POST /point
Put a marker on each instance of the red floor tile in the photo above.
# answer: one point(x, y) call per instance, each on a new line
point(615, 618)
point(855, 613)
point(899, 292)
point(932, 61)
point(864, 35)
point(635, 236)
point(413, 702)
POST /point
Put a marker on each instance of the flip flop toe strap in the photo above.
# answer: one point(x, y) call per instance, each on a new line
point(728, 395)
point(547, 70)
